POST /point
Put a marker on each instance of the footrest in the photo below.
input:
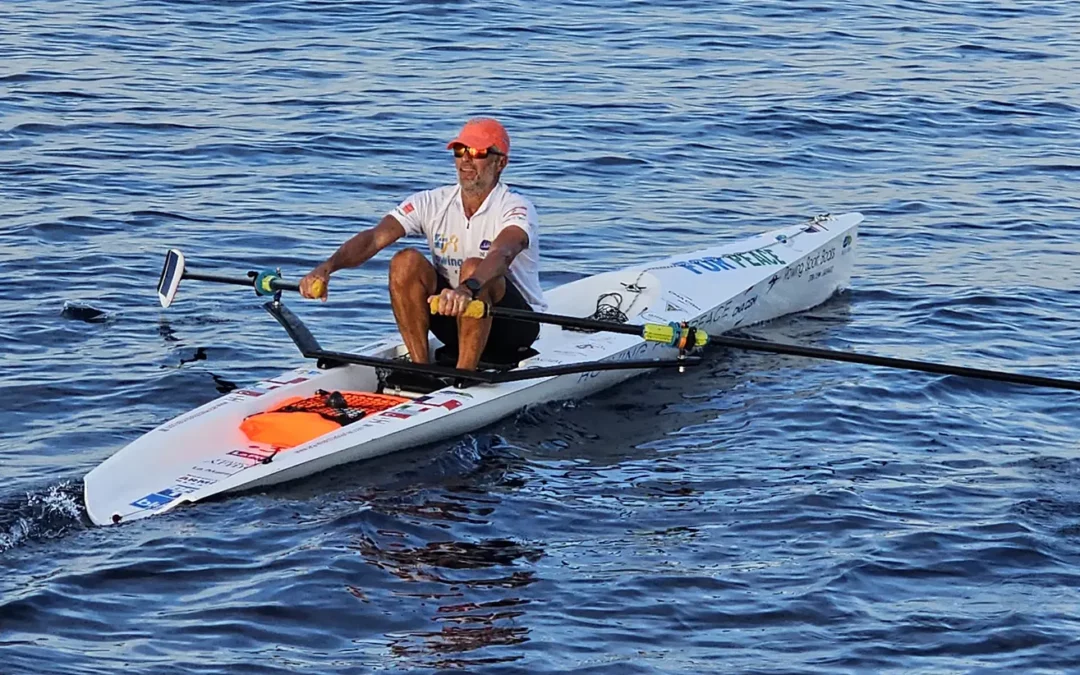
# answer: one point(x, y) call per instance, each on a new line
point(489, 360)
point(411, 385)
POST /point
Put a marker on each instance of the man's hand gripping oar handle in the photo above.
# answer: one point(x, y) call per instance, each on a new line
point(476, 309)
point(680, 335)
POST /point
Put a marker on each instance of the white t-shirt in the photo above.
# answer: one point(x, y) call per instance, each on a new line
point(440, 216)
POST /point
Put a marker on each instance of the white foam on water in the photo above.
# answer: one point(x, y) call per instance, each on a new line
point(45, 514)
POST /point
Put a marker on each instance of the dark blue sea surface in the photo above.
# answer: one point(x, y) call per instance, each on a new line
point(761, 514)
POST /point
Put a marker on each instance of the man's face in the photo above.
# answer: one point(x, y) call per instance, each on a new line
point(478, 170)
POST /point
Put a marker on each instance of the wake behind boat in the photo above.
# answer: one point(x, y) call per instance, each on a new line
point(236, 442)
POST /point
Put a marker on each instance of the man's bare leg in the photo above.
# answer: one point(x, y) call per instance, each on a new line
point(473, 333)
point(412, 281)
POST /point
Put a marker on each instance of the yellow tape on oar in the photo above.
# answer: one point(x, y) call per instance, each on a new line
point(674, 334)
point(317, 288)
point(476, 309)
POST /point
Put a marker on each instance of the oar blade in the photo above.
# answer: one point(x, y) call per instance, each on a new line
point(171, 274)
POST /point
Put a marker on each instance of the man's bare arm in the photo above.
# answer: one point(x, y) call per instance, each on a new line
point(355, 252)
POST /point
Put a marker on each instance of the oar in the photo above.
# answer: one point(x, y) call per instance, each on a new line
point(887, 362)
point(264, 283)
point(674, 334)
point(669, 334)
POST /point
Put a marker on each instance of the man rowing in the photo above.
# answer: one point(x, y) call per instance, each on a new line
point(484, 245)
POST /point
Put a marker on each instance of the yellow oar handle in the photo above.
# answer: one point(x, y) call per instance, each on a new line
point(673, 334)
point(317, 288)
point(477, 309)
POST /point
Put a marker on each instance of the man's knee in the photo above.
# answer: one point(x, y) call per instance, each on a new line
point(409, 266)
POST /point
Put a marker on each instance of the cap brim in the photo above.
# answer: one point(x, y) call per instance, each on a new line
point(479, 142)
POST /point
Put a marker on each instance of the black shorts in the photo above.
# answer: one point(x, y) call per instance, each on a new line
point(508, 338)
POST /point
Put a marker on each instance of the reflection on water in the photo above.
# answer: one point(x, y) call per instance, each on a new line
point(466, 627)
point(407, 562)
point(475, 586)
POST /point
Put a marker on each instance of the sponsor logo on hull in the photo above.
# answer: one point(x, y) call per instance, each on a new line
point(762, 257)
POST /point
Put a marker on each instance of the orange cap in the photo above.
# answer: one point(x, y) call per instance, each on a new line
point(483, 132)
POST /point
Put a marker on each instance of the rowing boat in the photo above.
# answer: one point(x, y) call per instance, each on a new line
point(210, 450)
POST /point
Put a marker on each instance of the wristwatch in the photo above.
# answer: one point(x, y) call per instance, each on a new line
point(473, 285)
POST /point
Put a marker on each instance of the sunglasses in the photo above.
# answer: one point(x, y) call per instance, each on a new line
point(475, 153)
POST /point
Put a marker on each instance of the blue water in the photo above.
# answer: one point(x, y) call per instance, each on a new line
point(762, 514)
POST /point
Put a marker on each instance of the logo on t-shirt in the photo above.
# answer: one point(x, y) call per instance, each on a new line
point(407, 209)
point(516, 212)
point(444, 243)
point(485, 245)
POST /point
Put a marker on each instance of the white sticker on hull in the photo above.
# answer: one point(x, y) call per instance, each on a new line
point(156, 500)
point(440, 400)
point(199, 412)
point(404, 411)
point(266, 386)
point(685, 300)
point(740, 311)
point(823, 257)
point(638, 351)
point(205, 473)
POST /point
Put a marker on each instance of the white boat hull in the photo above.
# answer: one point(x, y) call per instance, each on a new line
point(204, 453)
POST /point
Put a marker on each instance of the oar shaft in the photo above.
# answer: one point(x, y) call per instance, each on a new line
point(887, 362)
point(674, 334)
point(565, 321)
point(221, 279)
point(276, 284)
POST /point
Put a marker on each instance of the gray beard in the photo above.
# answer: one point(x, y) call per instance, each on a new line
point(473, 188)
